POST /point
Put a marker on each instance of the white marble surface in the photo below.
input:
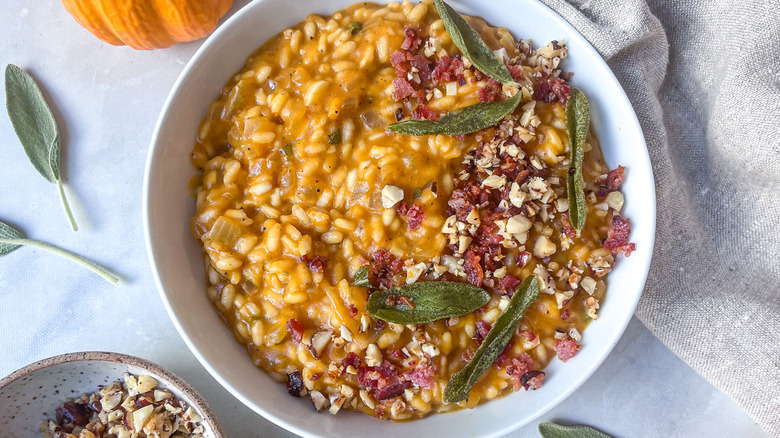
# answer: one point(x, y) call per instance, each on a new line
point(106, 100)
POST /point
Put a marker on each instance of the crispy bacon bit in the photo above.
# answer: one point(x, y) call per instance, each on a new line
point(396, 354)
point(448, 69)
point(421, 376)
point(423, 112)
point(503, 358)
point(412, 41)
point(351, 359)
point(397, 59)
point(522, 258)
point(315, 376)
point(466, 355)
point(532, 379)
point(482, 329)
point(517, 368)
point(491, 92)
point(566, 348)
point(474, 272)
point(516, 71)
point(384, 267)
point(401, 89)
point(353, 311)
point(614, 182)
point(380, 324)
point(384, 379)
point(315, 264)
point(414, 215)
point(295, 329)
point(508, 284)
point(617, 236)
point(295, 383)
point(565, 314)
point(552, 90)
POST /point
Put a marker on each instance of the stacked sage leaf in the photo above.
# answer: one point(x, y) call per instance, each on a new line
point(577, 124)
point(475, 117)
point(426, 301)
point(36, 128)
point(495, 341)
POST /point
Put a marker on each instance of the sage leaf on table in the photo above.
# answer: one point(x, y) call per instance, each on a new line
point(473, 47)
point(361, 277)
point(464, 121)
point(36, 128)
point(552, 430)
point(11, 239)
point(495, 341)
point(430, 301)
point(577, 124)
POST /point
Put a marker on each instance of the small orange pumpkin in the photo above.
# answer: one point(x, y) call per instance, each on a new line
point(148, 24)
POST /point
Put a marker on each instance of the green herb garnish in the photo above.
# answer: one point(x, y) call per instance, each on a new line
point(355, 27)
point(552, 430)
point(427, 301)
point(577, 124)
point(361, 277)
point(36, 128)
point(473, 47)
point(287, 150)
point(11, 239)
point(464, 121)
point(498, 337)
point(335, 137)
point(417, 193)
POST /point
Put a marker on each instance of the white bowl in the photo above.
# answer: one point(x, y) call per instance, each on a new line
point(30, 395)
point(177, 261)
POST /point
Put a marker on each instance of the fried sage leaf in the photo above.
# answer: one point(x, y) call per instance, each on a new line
point(498, 337)
point(464, 121)
point(36, 128)
point(361, 277)
point(11, 239)
point(426, 301)
point(577, 124)
point(472, 46)
point(552, 430)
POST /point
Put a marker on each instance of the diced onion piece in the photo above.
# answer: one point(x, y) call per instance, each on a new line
point(225, 231)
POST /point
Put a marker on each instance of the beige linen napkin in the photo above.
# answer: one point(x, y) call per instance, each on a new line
point(704, 78)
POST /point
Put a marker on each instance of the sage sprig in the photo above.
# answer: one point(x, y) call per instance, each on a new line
point(495, 341)
point(577, 124)
point(11, 239)
point(471, 45)
point(464, 121)
point(552, 430)
point(430, 301)
point(36, 128)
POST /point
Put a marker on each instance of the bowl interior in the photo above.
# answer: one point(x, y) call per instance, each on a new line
point(177, 260)
point(30, 395)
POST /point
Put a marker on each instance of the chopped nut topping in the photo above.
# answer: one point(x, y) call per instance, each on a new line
point(391, 195)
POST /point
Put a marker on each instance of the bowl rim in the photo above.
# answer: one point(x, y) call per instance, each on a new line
point(169, 377)
point(577, 381)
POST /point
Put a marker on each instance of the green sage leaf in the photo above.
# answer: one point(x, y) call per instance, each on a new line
point(355, 27)
point(8, 235)
point(498, 337)
point(36, 128)
point(464, 121)
point(11, 239)
point(552, 430)
point(361, 277)
point(472, 46)
point(430, 301)
point(335, 137)
point(287, 150)
point(577, 125)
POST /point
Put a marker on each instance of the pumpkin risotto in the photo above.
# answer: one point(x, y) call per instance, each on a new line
point(308, 203)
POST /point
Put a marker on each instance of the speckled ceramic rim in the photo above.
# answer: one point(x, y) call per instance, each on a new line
point(170, 378)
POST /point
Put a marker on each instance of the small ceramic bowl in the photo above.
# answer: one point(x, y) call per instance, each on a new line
point(31, 394)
